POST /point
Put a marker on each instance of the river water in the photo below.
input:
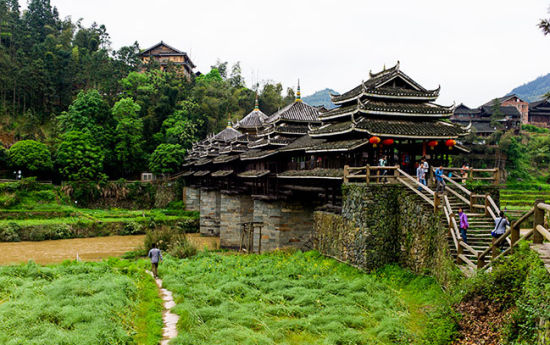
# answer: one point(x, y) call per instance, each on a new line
point(87, 249)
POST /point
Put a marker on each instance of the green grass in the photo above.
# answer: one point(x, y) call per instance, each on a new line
point(302, 298)
point(74, 220)
point(112, 302)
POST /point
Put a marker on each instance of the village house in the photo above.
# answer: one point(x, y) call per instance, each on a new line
point(165, 56)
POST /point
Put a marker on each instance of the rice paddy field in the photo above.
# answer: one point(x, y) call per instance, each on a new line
point(302, 298)
point(110, 302)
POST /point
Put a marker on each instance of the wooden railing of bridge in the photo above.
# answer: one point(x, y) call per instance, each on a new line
point(538, 231)
point(491, 175)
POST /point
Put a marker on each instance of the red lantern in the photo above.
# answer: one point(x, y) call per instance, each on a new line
point(450, 143)
point(432, 144)
point(374, 141)
point(387, 142)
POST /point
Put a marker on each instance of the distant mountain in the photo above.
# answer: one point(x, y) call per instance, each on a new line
point(321, 97)
point(533, 90)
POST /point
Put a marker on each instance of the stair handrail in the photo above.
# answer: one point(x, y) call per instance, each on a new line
point(459, 243)
point(427, 189)
point(539, 233)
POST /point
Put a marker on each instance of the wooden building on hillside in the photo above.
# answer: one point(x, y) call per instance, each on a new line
point(539, 113)
point(512, 101)
point(165, 55)
point(482, 118)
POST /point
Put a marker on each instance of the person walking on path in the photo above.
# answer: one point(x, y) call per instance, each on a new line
point(420, 176)
point(439, 180)
point(501, 222)
point(463, 221)
point(156, 256)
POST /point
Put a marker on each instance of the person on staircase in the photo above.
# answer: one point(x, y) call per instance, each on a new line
point(501, 222)
point(463, 221)
point(420, 175)
point(439, 180)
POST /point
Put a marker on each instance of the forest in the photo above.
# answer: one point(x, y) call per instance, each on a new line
point(74, 109)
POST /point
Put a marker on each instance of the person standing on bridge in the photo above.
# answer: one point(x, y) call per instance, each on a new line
point(501, 222)
point(439, 180)
point(156, 256)
point(420, 176)
point(463, 221)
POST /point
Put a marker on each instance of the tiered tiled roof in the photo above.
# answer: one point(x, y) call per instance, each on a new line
point(222, 173)
point(394, 128)
point(295, 112)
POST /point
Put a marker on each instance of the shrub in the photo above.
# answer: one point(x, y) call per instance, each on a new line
point(10, 233)
point(132, 228)
point(180, 247)
point(160, 237)
point(30, 156)
point(60, 231)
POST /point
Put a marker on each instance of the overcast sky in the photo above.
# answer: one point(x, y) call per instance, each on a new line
point(476, 49)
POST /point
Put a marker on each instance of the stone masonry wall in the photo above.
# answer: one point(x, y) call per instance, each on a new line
point(210, 203)
point(384, 224)
point(234, 210)
point(191, 198)
point(285, 224)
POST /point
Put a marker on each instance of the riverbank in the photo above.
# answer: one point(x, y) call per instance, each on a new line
point(87, 249)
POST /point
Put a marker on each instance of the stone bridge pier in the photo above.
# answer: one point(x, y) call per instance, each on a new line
point(286, 223)
point(192, 198)
point(235, 210)
point(210, 210)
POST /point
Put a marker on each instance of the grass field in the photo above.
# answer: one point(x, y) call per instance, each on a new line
point(302, 298)
point(111, 302)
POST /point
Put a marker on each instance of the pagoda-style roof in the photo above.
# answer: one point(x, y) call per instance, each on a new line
point(303, 143)
point(228, 134)
point(203, 161)
point(297, 111)
point(338, 146)
point(390, 83)
point(254, 119)
point(394, 109)
point(254, 173)
point(222, 173)
point(187, 173)
point(201, 173)
point(225, 159)
point(257, 154)
point(285, 128)
point(394, 128)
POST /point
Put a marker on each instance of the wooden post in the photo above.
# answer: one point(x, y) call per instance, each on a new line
point(487, 204)
point(346, 173)
point(436, 202)
point(471, 202)
point(432, 175)
point(480, 261)
point(538, 220)
point(497, 176)
point(367, 173)
point(260, 239)
point(459, 251)
point(494, 250)
point(514, 237)
point(471, 173)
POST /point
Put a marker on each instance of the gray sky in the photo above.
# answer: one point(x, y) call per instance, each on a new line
point(476, 49)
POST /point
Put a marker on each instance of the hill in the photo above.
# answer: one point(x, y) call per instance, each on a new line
point(533, 90)
point(321, 97)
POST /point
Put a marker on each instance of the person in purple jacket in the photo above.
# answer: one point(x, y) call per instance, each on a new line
point(463, 220)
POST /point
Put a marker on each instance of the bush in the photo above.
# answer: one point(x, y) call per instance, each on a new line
point(10, 233)
point(60, 231)
point(161, 237)
point(30, 156)
point(132, 228)
point(180, 247)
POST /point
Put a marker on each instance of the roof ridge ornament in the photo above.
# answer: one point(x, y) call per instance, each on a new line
point(397, 65)
point(256, 104)
point(298, 93)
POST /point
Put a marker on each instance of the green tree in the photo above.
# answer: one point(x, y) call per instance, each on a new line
point(128, 151)
point(30, 156)
point(79, 159)
point(178, 128)
point(167, 159)
point(87, 112)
